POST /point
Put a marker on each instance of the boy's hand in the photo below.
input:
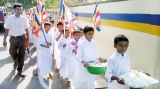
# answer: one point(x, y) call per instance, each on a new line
point(85, 63)
point(75, 51)
point(47, 43)
point(64, 45)
point(120, 81)
point(47, 46)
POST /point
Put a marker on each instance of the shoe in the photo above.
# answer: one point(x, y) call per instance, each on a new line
point(20, 74)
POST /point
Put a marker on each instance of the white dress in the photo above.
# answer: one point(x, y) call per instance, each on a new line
point(52, 32)
point(117, 65)
point(63, 57)
point(45, 55)
point(30, 35)
point(87, 52)
point(73, 68)
point(57, 51)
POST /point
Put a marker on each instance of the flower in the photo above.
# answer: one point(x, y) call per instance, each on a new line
point(75, 44)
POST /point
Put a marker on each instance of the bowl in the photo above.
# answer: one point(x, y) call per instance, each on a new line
point(97, 70)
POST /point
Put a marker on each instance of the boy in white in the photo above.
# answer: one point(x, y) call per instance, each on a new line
point(87, 52)
point(73, 74)
point(58, 35)
point(45, 42)
point(52, 32)
point(82, 35)
point(118, 64)
point(62, 43)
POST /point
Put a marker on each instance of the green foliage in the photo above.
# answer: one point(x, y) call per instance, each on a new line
point(25, 3)
point(52, 4)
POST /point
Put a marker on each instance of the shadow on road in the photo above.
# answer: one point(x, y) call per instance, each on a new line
point(34, 81)
point(57, 83)
point(5, 61)
point(11, 82)
point(3, 48)
point(30, 63)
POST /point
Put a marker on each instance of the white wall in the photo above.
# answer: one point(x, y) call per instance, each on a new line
point(144, 48)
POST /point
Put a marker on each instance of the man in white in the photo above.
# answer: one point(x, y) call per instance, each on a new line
point(17, 26)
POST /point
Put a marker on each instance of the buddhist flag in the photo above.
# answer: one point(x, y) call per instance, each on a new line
point(36, 24)
point(96, 18)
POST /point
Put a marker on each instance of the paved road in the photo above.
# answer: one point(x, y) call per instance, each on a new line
point(9, 79)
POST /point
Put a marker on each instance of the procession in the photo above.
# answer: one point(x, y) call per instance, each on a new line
point(66, 49)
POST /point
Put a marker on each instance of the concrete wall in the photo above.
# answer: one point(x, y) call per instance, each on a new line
point(139, 20)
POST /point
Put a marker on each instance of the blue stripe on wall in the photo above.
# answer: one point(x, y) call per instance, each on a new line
point(141, 18)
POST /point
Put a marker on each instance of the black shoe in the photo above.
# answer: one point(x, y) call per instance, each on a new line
point(20, 74)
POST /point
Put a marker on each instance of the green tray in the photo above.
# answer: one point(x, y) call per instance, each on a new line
point(97, 70)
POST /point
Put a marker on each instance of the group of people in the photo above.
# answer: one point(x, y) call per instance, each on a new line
point(71, 50)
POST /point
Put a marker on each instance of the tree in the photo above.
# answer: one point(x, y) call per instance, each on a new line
point(25, 3)
point(52, 4)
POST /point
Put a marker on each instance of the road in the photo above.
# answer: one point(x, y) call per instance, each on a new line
point(10, 80)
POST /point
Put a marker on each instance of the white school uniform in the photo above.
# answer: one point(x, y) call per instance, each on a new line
point(73, 68)
point(35, 41)
point(87, 52)
point(46, 55)
point(52, 32)
point(81, 38)
point(38, 52)
point(117, 65)
point(63, 57)
point(57, 51)
point(30, 35)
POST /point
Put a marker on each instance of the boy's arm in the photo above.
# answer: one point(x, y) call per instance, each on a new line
point(109, 72)
point(60, 44)
point(79, 54)
point(69, 48)
point(57, 38)
point(46, 46)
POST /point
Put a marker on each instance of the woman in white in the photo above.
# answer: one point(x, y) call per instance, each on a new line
point(45, 42)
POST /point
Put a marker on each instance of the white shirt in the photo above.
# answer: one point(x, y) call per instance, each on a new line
point(52, 31)
point(42, 39)
point(81, 38)
point(61, 42)
point(87, 51)
point(116, 66)
point(16, 25)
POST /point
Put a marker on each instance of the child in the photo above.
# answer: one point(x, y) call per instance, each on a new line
point(72, 47)
point(63, 55)
point(52, 32)
point(45, 43)
point(58, 35)
point(118, 64)
point(87, 52)
point(82, 35)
